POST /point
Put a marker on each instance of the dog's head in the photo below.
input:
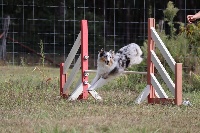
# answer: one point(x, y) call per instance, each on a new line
point(106, 57)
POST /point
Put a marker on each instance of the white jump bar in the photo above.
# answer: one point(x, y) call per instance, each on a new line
point(125, 72)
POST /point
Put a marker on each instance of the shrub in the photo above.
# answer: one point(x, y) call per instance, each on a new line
point(170, 12)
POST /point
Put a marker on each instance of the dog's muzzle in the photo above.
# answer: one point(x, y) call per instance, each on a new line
point(107, 62)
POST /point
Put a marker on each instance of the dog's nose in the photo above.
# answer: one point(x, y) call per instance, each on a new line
point(107, 62)
point(142, 56)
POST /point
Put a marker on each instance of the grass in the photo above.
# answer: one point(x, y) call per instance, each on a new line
point(30, 102)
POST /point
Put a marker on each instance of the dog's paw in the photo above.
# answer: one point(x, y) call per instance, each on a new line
point(105, 76)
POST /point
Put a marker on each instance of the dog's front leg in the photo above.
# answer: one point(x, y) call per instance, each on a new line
point(101, 82)
point(97, 77)
point(97, 84)
point(105, 75)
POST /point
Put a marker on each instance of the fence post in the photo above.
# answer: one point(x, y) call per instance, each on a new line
point(150, 65)
point(63, 79)
point(178, 83)
point(84, 57)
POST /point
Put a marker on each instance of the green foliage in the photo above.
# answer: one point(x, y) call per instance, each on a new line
point(22, 62)
point(191, 83)
point(170, 12)
point(42, 52)
point(193, 35)
point(195, 81)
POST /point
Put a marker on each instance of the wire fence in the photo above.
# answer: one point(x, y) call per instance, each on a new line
point(112, 24)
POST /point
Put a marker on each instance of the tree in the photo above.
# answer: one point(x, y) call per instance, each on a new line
point(170, 12)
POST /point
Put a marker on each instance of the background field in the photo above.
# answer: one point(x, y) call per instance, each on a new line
point(31, 103)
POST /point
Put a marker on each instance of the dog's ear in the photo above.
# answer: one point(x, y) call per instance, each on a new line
point(112, 52)
point(101, 50)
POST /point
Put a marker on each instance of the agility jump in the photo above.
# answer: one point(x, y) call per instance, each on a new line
point(153, 91)
point(81, 90)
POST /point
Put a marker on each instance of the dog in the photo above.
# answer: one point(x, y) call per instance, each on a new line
point(111, 65)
